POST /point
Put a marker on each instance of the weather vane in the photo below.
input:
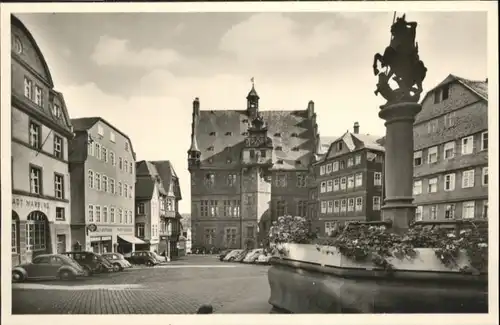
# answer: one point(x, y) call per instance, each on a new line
point(252, 80)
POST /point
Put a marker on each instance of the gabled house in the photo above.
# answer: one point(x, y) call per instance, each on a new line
point(349, 180)
point(451, 151)
point(157, 205)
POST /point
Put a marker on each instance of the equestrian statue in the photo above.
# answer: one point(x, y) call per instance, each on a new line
point(402, 63)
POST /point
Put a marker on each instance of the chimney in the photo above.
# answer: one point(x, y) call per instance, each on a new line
point(486, 80)
point(310, 109)
point(356, 128)
point(196, 106)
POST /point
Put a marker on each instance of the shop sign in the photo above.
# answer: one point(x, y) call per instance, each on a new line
point(104, 229)
point(30, 203)
point(125, 230)
point(100, 238)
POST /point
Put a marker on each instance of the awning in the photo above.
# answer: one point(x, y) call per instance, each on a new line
point(131, 239)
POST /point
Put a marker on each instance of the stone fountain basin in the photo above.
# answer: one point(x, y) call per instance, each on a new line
point(306, 280)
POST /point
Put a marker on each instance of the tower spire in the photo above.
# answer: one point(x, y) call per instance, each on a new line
point(253, 101)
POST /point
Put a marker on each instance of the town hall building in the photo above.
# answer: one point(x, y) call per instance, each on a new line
point(248, 167)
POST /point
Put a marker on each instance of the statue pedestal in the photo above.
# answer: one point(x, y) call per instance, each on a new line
point(398, 204)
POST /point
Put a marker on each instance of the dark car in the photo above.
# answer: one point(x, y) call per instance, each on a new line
point(143, 257)
point(223, 254)
point(48, 266)
point(118, 260)
point(91, 262)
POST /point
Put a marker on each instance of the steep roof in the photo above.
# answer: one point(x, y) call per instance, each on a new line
point(144, 188)
point(220, 135)
point(326, 141)
point(479, 87)
point(146, 170)
point(18, 23)
point(86, 123)
point(357, 141)
point(168, 176)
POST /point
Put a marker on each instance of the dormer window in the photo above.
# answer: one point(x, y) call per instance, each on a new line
point(100, 130)
point(212, 134)
point(210, 160)
point(56, 110)
point(229, 133)
point(277, 134)
point(279, 162)
point(295, 135)
point(295, 149)
point(211, 148)
point(279, 148)
point(441, 93)
point(229, 161)
point(340, 146)
point(126, 146)
point(245, 133)
point(298, 162)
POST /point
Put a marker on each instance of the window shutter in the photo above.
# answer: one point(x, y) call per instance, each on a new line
point(471, 178)
point(452, 181)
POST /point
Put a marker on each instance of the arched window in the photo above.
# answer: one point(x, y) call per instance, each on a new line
point(36, 231)
point(15, 233)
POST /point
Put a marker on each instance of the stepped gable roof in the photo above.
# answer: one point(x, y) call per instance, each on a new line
point(168, 176)
point(86, 123)
point(220, 135)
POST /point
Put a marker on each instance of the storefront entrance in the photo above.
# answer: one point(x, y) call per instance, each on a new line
point(61, 244)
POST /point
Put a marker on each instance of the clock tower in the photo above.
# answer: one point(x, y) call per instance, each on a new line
point(256, 162)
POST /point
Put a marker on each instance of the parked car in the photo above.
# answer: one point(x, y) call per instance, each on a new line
point(117, 260)
point(223, 254)
point(241, 256)
point(252, 256)
point(232, 255)
point(143, 257)
point(160, 258)
point(48, 266)
point(91, 262)
point(263, 258)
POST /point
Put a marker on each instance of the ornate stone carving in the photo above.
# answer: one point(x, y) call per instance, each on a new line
point(402, 63)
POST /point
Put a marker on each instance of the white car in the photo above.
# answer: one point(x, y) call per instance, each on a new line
point(160, 258)
point(252, 256)
point(263, 259)
point(232, 255)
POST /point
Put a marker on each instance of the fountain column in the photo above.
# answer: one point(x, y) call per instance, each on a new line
point(398, 205)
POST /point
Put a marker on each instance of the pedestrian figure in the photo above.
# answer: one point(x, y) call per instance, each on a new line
point(205, 309)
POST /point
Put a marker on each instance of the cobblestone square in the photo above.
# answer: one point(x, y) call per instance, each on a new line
point(179, 287)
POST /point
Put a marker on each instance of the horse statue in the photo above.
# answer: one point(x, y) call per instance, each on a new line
point(403, 64)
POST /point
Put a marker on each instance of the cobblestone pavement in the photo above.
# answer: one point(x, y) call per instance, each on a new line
point(177, 288)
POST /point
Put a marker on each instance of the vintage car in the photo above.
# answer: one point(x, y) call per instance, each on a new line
point(143, 257)
point(91, 262)
point(263, 258)
point(48, 266)
point(253, 255)
point(223, 254)
point(232, 255)
point(241, 256)
point(161, 258)
point(117, 260)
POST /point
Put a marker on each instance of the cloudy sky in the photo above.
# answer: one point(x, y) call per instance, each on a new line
point(141, 71)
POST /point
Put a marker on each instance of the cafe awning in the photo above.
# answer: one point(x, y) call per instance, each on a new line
point(131, 239)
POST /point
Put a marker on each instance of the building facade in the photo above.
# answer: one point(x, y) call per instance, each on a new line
point(102, 171)
point(158, 221)
point(247, 168)
point(349, 181)
point(451, 151)
point(41, 129)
